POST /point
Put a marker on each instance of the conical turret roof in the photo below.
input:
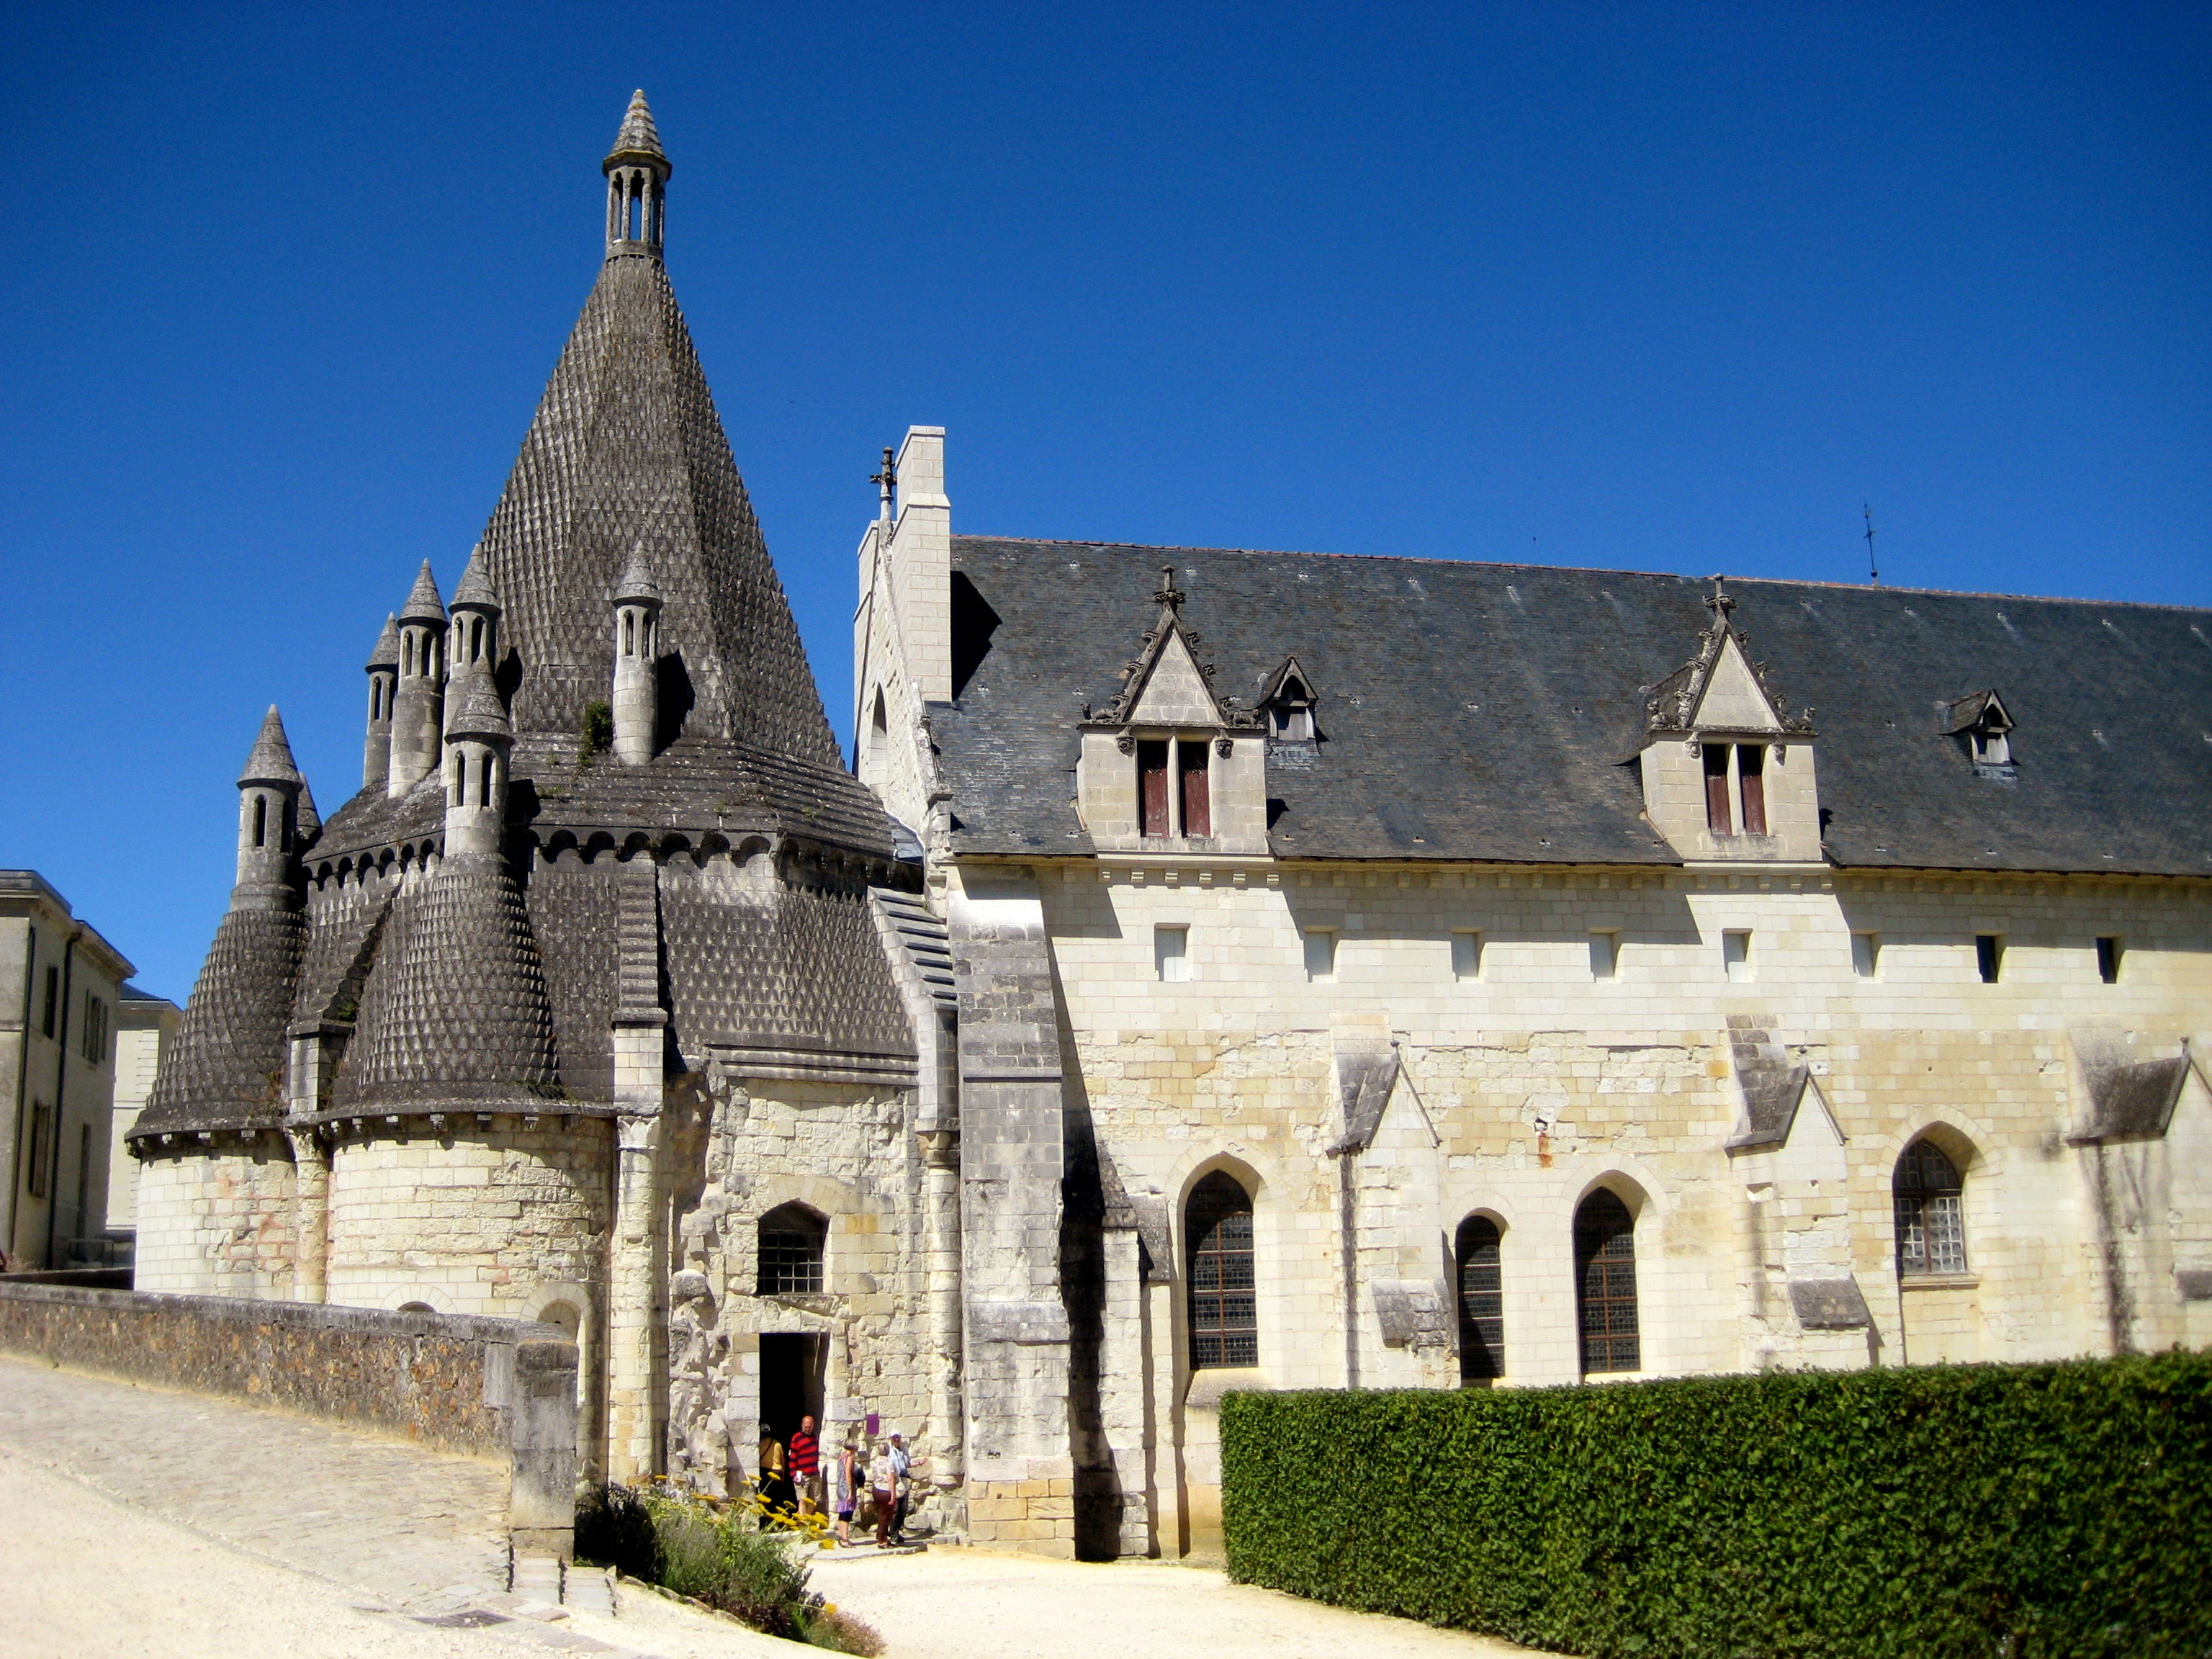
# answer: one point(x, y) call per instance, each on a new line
point(639, 140)
point(271, 760)
point(626, 456)
point(459, 1010)
point(637, 584)
point(476, 592)
point(385, 653)
point(478, 712)
point(424, 604)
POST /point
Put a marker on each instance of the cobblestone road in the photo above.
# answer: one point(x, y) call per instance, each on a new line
point(389, 1521)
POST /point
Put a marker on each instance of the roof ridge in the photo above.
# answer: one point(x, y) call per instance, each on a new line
point(1585, 570)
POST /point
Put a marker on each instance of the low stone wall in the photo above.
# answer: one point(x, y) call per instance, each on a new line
point(496, 1387)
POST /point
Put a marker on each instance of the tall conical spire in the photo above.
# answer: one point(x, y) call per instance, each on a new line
point(637, 176)
point(626, 456)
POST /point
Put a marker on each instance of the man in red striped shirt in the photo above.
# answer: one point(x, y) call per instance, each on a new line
point(805, 1462)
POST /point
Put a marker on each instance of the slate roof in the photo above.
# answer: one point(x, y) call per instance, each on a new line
point(1489, 711)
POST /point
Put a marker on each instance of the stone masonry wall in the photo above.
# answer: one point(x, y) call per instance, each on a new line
point(502, 1388)
point(218, 1222)
point(1542, 1080)
point(848, 1153)
point(500, 1220)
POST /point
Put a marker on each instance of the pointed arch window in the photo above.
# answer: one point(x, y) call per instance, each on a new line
point(1929, 1200)
point(791, 1240)
point(1481, 1300)
point(1225, 1323)
point(1605, 1285)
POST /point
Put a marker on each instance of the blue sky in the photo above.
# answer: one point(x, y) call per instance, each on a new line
point(1660, 288)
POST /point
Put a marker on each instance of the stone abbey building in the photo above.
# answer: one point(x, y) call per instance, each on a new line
point(1217, 970)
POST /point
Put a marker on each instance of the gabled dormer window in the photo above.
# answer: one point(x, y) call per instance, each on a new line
point(1984, 722)
point(1286, 702)
point(1735, 777)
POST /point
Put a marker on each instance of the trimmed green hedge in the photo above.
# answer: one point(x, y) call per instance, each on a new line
point(2024, 1511)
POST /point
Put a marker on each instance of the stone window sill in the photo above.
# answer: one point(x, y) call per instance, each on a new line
point(1939, 1281)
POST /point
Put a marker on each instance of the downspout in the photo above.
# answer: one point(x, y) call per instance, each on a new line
point(61, 1084)
point(22, 1086)
point(1348, 1228)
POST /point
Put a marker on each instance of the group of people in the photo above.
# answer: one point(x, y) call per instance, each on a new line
point(797, 1479)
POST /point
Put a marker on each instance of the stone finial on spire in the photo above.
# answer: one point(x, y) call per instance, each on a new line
point(271, 762)
point(637, 172)
point(423, 605)
point(1720, 604)
point(639, 139)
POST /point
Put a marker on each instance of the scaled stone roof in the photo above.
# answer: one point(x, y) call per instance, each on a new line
point(474, 588)
point(226, 1068)
point(458, 1012)
point(424, 604)
point(1491, 712)
point(627, 455)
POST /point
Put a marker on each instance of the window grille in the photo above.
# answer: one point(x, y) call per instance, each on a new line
point(1225, 1323)
point(1605, 1283)
point(791, 1241)
point(1481, 1302)
point(1931, 1234)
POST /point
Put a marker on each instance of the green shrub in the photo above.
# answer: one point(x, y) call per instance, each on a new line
point(712, 1553)
point(2012, 1510)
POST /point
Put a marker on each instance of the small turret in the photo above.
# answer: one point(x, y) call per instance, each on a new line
point(476, 745)
point(383, 685)
point(472, 638)
point(269, 791)
point(637, 176)
point(419, 698)
point(637, 660)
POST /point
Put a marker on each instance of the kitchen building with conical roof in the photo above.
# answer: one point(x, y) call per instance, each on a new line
point(1216, 971)
point(608, 972)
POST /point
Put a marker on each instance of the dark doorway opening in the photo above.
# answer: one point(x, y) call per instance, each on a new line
point(791, 1383)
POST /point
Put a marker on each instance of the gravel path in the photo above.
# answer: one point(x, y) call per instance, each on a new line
point(968, 1604)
